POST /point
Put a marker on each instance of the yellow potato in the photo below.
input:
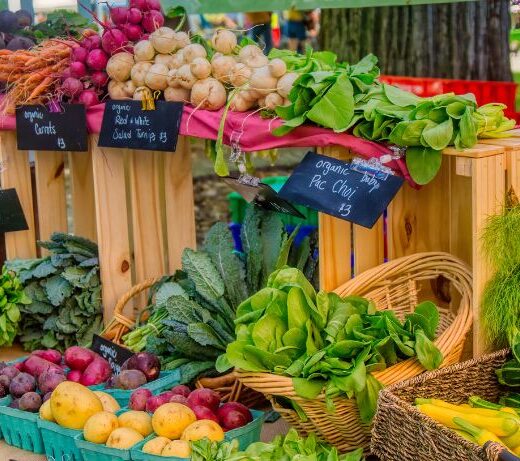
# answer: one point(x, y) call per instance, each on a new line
point(178, 448)
point(124, 438)
point(46, 412)
point(138, 420)
point(99, 427)
point(109, 403)
point(72, 404)
point(204, 428)
point(156, 445)
point(170, 420)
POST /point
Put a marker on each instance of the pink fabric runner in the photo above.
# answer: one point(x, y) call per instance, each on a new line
point(253, 133)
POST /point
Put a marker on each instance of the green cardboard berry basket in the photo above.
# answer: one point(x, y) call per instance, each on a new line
point(98, 452)
point(59, 441)
point(166, 380)
point(246, 435)
point(20, 428)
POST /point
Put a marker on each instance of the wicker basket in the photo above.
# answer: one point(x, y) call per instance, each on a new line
point(394, 285)
point(402, 433)
point(228, 386)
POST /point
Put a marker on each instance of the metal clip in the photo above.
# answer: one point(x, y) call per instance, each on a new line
point(372, 167)
point(234, 141)
point(248, 180)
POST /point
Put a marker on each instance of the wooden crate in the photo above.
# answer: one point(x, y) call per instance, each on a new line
point(446, 215)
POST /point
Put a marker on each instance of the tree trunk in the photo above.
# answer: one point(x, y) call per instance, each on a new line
point(468, 40)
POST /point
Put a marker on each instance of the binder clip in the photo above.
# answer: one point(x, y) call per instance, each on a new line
point(237, 156)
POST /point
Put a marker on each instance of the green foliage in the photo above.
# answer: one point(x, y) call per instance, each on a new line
point(59, 23)
point(283, 448)
point(326, 343)
point(65, 294)
point(12, 299)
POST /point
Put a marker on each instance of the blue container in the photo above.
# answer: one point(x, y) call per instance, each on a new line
point(59, 441)
point(98, 452)
point(20, 428)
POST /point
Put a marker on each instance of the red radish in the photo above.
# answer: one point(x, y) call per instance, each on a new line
point(79, 54)
point(79, 358)
point(204, 413)
point(181, 390)
point(113, 41)
point(35, 366)
point(153, 5)
point(99, 369)
point(74, 375)
point(133, 32)
point(92, 42)
point(205, 398)
point(89, 98)
point(135, 16)
point(97, 60)
point(152, 20)
point(119, 15)
point(179, 399)
point(52, 355)
point(145, 37)
point(232, 419)
point(78, 69)
point(65, 74)
point(71, 87)
point(99, 79)
point(139, 4)
point(139, 398)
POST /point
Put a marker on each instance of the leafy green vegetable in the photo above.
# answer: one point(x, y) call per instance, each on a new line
point(326, 343)
point(12, 298)
point(65, 293)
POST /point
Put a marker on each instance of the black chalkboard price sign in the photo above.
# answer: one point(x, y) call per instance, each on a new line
point(115, 354)
point(126, 125)
point(12, 218)
point(37, 128)
point(341, 189)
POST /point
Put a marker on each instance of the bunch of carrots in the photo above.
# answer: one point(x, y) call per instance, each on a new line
point(33, 76)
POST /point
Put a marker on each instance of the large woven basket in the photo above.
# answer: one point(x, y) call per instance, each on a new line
point(402, 433)
point(228, 386)
point(399, 285)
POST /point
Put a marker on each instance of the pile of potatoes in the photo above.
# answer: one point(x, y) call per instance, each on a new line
point(169, 63)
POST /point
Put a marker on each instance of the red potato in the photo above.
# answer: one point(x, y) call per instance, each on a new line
point(130, 379)
point(4, 390)
point(145, 362)
point(235, 406)
point(19, 365)
point(30, 401)
point(97, 372)
point(10, 371)
point(21, 384)
point(181, 389)
point(179, 399)
point(156, 401)
point(5, 381)
point(232, 419)
point(204, 413)
point(139, 398)
point(79, 358)
point(74, 375)
point(35, 366)
point(205, 398)
point(49, 380)
point(52, 355)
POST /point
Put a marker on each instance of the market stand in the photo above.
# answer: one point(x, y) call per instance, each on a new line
point(145, 238)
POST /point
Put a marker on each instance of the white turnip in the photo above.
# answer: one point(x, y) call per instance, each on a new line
point(182, 40)
point(177, 94)
point(142, 92)
point(222, 67)
point(194, 51)
point(163, 40)
point(139, 71)
point(286, 83)
point(113, 41)
point(262, 81)
point(224, 41)
point(144, 51)
point(163, 59)
point(208, 94)
point(185, 78)
point(97, 60)
point(272, 101)
point(119, 66)
point(240, 104)
point(152, 20)
point(200, 68)
point(156, 77)
point(252, 56)
point(116, 90)
point(277, 67)
point(177, 60)
point(129, 88)
point(171, 79)
point(240, 74)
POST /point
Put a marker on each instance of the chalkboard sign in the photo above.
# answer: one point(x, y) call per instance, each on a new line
point(127, 125)
point(114, 353)
point(340, 189)
point(263, 196)
point(39, 129)
point(12, 218)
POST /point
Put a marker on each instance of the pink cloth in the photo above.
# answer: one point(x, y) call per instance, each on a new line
point(253, 133)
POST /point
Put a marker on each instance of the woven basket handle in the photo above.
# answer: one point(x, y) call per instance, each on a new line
point(134, 291)
point(496, 452)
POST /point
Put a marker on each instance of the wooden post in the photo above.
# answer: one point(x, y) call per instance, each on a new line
point(17, 173)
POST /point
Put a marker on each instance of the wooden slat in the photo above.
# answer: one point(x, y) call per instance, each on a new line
point(488, 194)
point(180, 209)
point(112, 223)
point(50, 189)
point(478, 151)
point(148, 238)
point(82, 189)
point(369, 247)
point(17, 174)
point(508, 144)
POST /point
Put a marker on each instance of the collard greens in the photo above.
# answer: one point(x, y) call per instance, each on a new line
point(326, 343)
